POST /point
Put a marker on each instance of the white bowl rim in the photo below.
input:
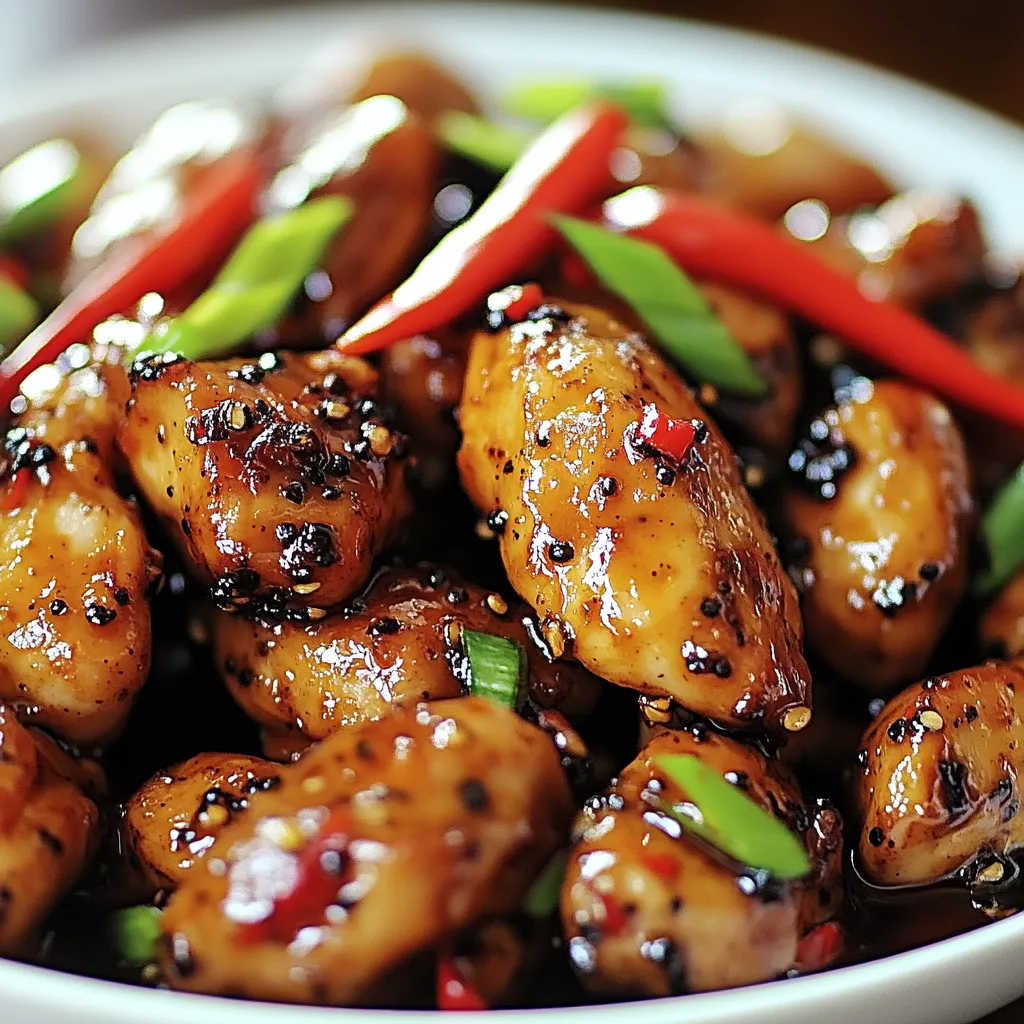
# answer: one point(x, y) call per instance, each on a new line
point(52, 89)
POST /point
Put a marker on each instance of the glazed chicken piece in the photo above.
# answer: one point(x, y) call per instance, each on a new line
point(937, 786)
point(648, 913)
point(384, 158)
point(396, 644)
point(419, 82)
point(916, 247)
point(422, 377)
point(279, 477)
point(656, 573)
point(176, 817)
point(377, 845)
point(763, 162)
point(880, 506)
point(77, 571)
point(48, 828)
point(1001, 627)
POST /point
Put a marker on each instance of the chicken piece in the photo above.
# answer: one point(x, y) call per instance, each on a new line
point(654, 156)
point(648, 913)
point(279, 477)
point(994, 336)
point(881, 508)
point(77, 570)
point(1001, 627)
point(419, 82)
point(661, 576)
point(378, 845)
point(764, 163)
point(48, 828)
point(937, 783)
point(422, 378)
point(178, 814)
point(148, 185)
point(914, 248)
point(396, 644)
point(384, 158)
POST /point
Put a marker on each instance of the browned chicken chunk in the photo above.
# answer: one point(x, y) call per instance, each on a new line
point(937, 785)
point(657, 574)
point(1001, 627)
point(384, 158)
point(881, 509)
point(76, 569)
point(396, 644)
point(178, 814)
point(48, 828)
point(375, 847)
point(278, 476)
point(647, 913)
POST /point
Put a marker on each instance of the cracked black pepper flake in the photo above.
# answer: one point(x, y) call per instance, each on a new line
point(497, 521)
point(100, 615)
point(710, 607)
point(295, 493)
point(876, 836)
point(474, 795)
point(897, 731)
point(608, 485)
point(665, 475)
point(122, 596)
point(561, 551)
point(58, 607)
point(929, 571)
point(384, 626)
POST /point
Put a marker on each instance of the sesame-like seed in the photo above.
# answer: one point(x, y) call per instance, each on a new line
point(708, 394)
point(796, 718)
point(288, 836)
point(931, 720)
point(992, 874)
point(497, 604)
point(754, 476)
point(305, 588)
point(656, 710)
point(314, 784)
point(240, 416)
point(452, 633)
point(335, 410)
point(215, 815)
point(381, 440)
point(551, 629)
point(316, 613)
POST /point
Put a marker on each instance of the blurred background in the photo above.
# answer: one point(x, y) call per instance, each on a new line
point(968, 48)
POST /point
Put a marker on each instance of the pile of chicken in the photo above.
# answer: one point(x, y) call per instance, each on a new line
point(285, 478)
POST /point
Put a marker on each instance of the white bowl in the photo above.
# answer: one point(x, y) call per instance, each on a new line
point(918, 135)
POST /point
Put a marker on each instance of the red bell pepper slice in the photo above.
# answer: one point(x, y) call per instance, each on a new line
point(564, 171)
point(819, 947)
point(453, 991)
point(215, 217)
point(712, 241)
point(17, 491)
point(670, 437)
point(316, 887)
point(664, 865)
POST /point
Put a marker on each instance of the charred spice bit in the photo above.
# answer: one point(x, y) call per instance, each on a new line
point(560, 551)
point(876, 836)
point(930, 572)
point(99, 615)
point(897, 731)
point(295, 493)
point(384, 626)
point(710, 607)
point(58, 607)
point(457, 595)
point(497, 521)
point(474, 796)
point(821, 459)
point(608, 485)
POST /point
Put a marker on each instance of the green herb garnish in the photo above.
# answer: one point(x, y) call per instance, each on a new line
point(1002, 528)
point(484, 142)
point(496, 667)
point(19, 313)
point(257, 284)
point(135, 933)
point(545, 100)
point(724, 817)
point(668, 302)
point(38, 187)
point(542, 899)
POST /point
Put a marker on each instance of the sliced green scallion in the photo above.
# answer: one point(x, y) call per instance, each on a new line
point(19, 313)
point(135, 934)
point(724, 817)
point(542, 899)
point(257, 284)
point(545, 99)
point(668, 302)
point(485, 142)
point(38, 187)
point(1002, 529)
point(497, 667)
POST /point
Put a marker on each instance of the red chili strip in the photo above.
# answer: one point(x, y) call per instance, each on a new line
point(521, 299)
point(322, 864)
point(664, 865)
point(17, 491)
point(819, 947)
point(453, 991)
point(223, 206)
point(713, 241)
point(564, 171)
point(670, 437)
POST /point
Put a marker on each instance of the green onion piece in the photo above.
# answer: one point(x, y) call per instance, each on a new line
point(257, 284)
point(38, 187)
point(135, 932)
point(545, 100)
point(668, 302)
point(493, 145)
point(724, 817)
point(496, 667)
point(19, 313)
point(1002, 528)
point(544, 894)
